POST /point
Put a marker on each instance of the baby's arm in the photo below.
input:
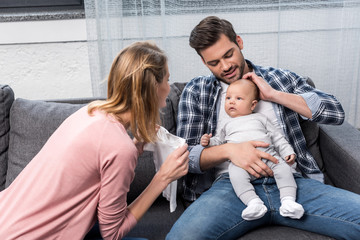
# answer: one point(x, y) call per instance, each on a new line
point(281, 145)
point(205, 139)
point(290, 159)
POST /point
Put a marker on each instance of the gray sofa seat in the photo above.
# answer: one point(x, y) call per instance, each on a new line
point(25, 125)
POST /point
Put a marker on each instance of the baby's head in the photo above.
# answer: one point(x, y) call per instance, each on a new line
point(241, 98)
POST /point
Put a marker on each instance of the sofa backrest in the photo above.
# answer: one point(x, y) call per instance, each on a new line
point(168, 114)
point(31, 124)
point(6, 100)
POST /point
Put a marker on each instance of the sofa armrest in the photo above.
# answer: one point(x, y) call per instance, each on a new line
point(340, 149)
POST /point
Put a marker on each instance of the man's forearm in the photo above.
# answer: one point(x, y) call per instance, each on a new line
point(213, 156)
point(244, 155)
point(293, 102)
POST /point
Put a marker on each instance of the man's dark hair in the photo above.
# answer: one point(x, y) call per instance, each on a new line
point(208, 32)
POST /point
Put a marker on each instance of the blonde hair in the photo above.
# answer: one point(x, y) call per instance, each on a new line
point(132, 86)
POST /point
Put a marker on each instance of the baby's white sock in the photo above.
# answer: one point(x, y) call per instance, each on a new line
point(290, 208)
point(254, 210)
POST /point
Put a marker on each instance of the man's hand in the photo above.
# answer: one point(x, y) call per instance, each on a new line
point(290, 100)
point(266, 92)
point(246, 156)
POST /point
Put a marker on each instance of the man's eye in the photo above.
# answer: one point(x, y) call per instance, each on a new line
point(213, 64)
point(229, 55)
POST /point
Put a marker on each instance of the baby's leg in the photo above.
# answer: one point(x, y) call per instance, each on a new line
point(287, 188)
point(240, 181)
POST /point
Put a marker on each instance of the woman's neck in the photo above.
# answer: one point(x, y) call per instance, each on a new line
point(124, 119)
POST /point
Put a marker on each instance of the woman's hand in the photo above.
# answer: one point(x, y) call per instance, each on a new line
point(175, 166)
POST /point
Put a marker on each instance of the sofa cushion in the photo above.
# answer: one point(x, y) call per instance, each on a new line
point(31, 124)
point(6, 100)
point(169, 113)
point(282, 233)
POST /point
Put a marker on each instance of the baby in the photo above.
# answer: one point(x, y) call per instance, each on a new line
point(244, 125)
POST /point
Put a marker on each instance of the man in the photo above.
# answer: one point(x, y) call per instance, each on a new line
point(216, 214)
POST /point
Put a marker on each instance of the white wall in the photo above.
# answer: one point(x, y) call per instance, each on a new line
point(45, 59)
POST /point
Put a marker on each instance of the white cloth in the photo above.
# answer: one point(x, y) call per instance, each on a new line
point(165, 144)
point(267, 109)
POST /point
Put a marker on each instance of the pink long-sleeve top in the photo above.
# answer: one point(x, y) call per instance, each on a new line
point(84, 171)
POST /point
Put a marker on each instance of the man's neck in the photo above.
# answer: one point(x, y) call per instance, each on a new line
point(248, 67)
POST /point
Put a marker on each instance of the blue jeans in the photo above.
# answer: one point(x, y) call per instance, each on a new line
point(217, 213)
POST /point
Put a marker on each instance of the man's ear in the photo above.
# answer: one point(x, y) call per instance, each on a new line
point(240, 42)
point(253, 104)
point(202, 59)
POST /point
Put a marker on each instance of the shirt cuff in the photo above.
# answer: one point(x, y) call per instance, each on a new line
point(194, 159)
point(313, 101)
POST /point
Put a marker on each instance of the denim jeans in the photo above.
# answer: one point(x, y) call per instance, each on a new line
point(217, 213)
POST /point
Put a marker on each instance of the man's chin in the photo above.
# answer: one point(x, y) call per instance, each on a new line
point(230, 80)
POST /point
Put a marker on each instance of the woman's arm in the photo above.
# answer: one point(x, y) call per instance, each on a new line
point(174, 167)
point(117, 165)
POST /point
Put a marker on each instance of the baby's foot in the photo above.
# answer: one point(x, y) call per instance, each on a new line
point(290, 208)
point(255, 210)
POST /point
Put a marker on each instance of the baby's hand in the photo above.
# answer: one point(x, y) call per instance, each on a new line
point(290, 159)
point(205, 139)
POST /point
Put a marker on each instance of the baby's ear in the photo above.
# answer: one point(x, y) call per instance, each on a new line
point(253, 104)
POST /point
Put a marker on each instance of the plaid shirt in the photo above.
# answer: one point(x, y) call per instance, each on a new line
point(198, 115)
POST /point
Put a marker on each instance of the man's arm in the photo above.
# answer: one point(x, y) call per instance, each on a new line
point(244, 155)
point(292, 101)
point(309, 102)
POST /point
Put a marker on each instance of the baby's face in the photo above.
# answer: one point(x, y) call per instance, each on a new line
point(239, 100)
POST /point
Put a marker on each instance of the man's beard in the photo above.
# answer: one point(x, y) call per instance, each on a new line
point(236, 77)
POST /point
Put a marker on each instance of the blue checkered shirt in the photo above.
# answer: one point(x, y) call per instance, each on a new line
point(198, 115)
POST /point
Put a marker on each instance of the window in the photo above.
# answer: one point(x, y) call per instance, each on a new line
point(153, 7)
point(24, 10)
point(39, 4)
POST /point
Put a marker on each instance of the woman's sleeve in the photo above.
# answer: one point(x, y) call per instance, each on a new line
point(117, 163)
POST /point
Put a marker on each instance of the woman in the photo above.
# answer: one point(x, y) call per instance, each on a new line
point(84, 171)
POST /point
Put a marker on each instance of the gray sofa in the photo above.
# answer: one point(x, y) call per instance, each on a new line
point(25, 125)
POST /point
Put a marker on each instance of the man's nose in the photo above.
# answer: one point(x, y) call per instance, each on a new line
point(225, 66)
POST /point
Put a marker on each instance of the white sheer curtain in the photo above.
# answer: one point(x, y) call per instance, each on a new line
point(315, 38)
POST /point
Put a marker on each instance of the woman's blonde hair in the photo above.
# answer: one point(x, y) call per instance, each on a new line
point(132, 86)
